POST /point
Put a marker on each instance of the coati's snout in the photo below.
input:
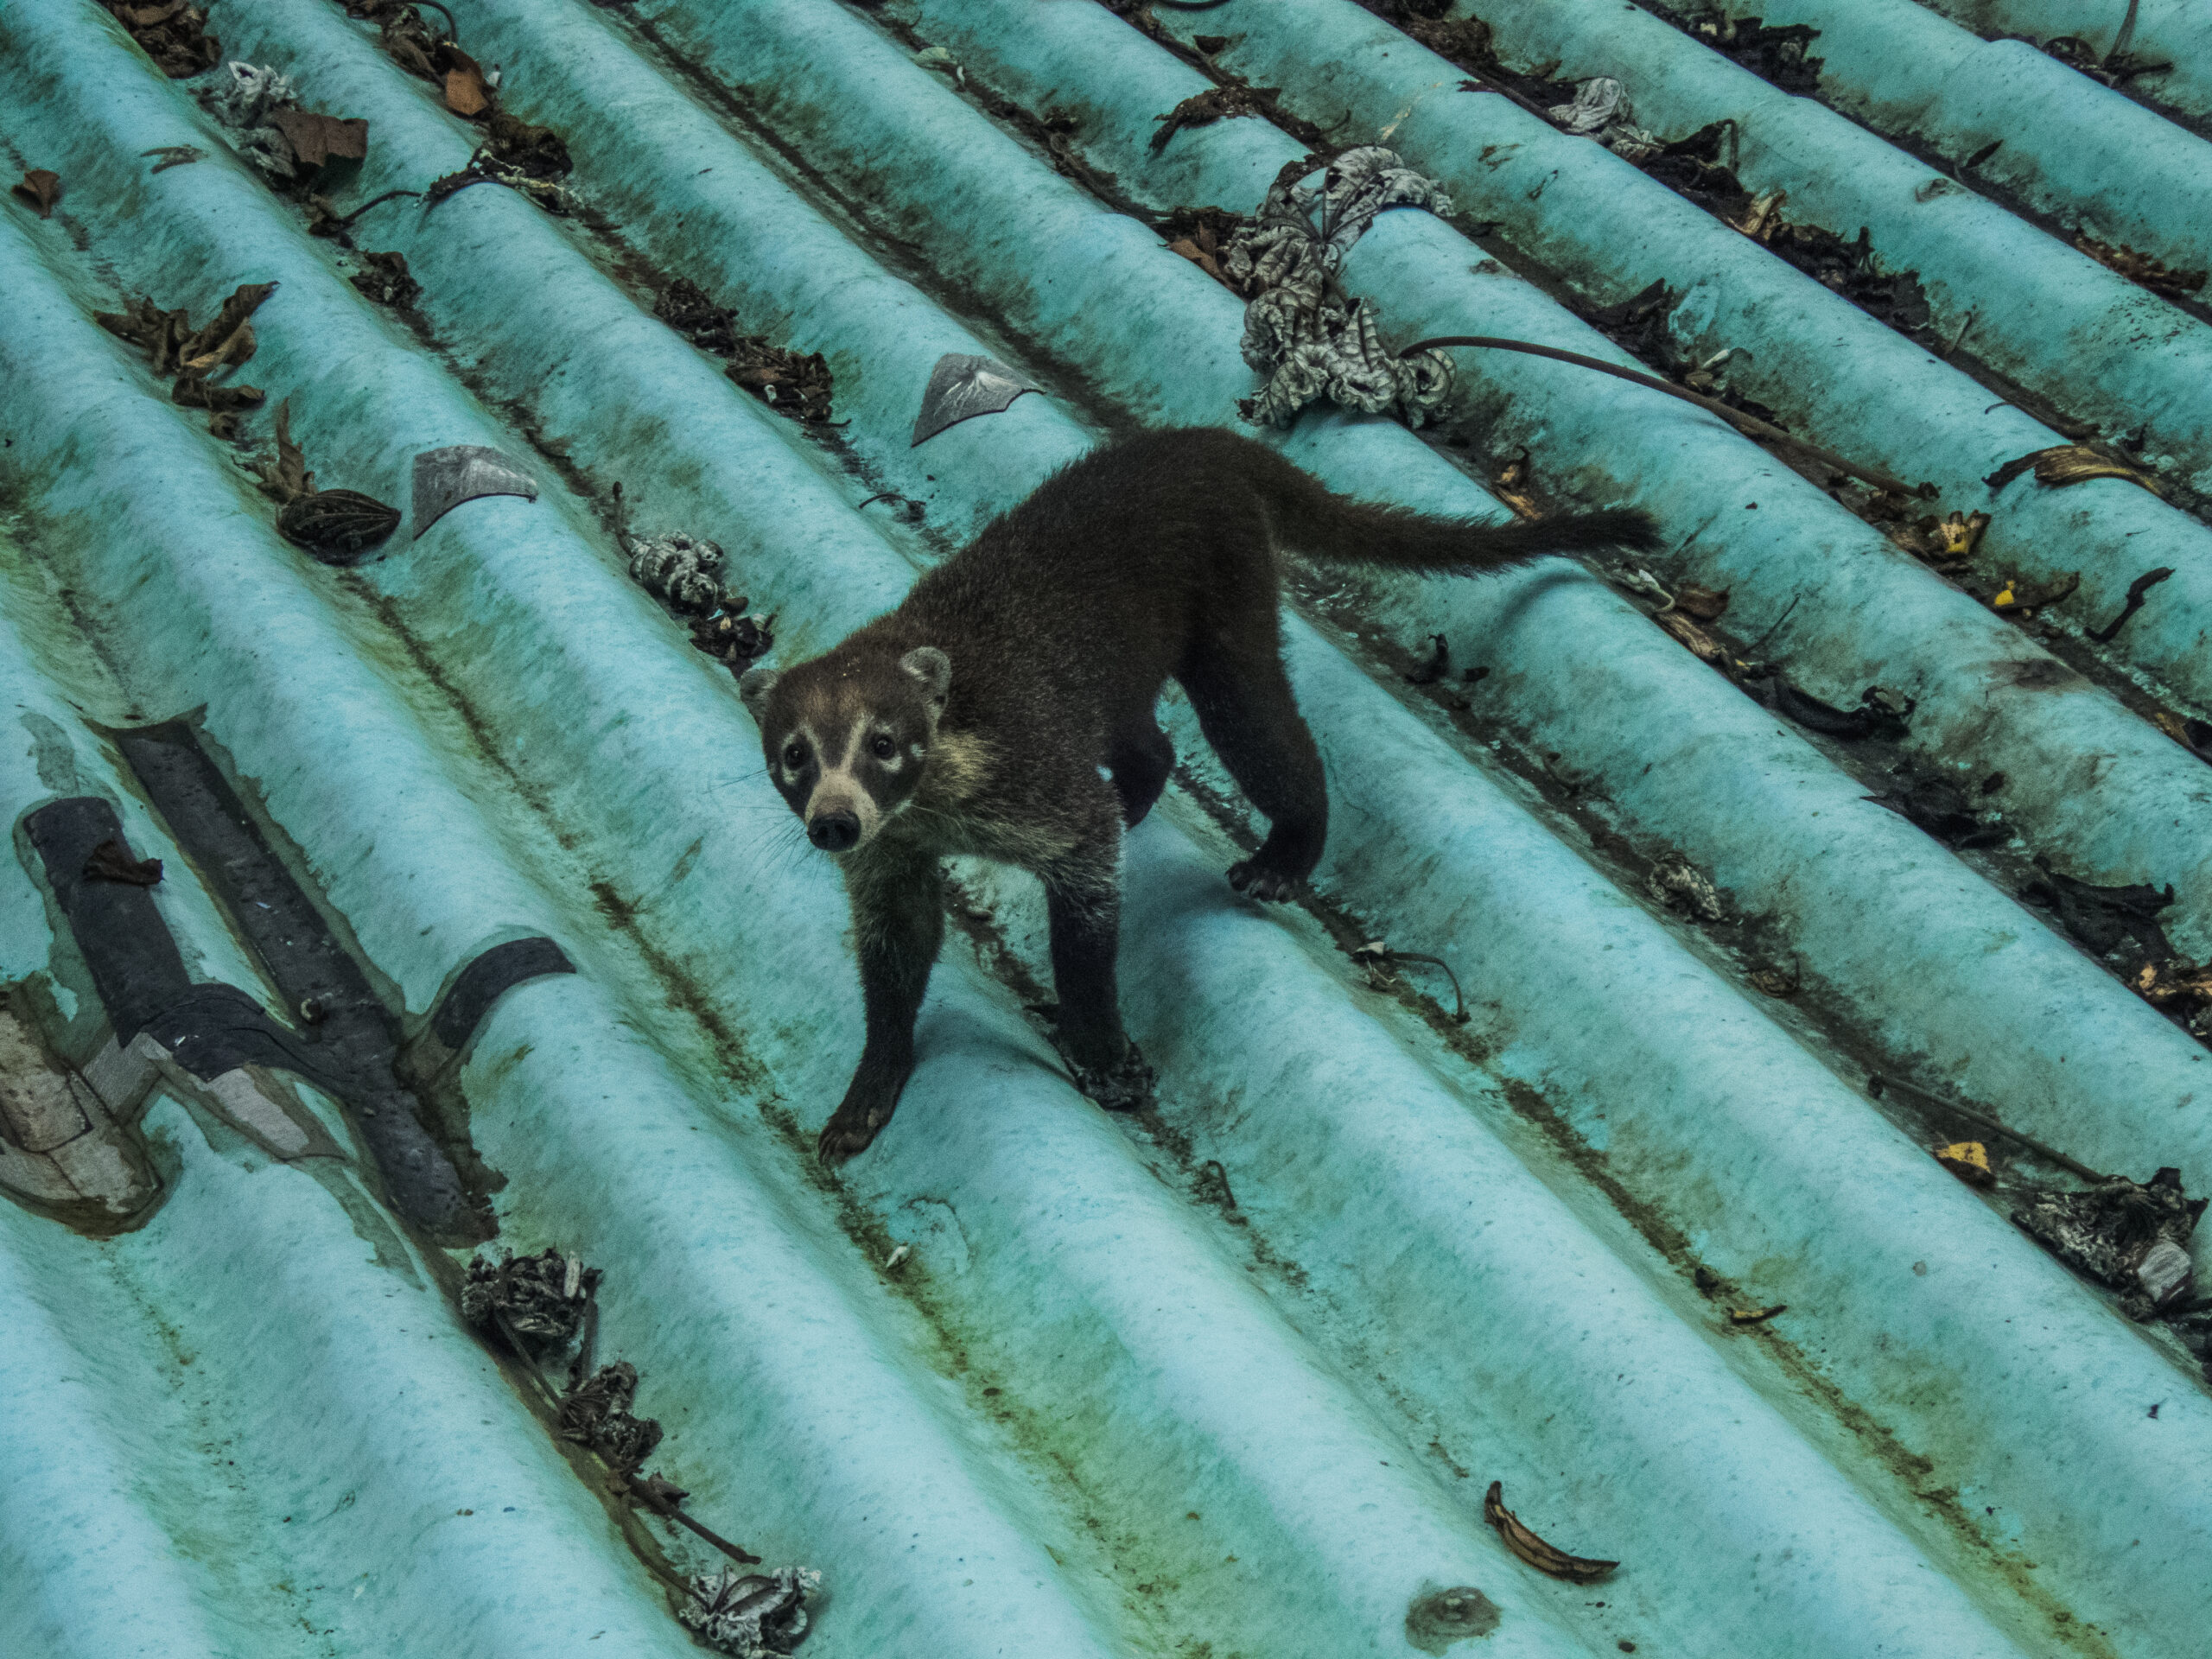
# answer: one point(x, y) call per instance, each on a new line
point(848, 736)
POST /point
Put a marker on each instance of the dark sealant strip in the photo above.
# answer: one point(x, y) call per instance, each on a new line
point(347, 1044)
point(482, 984)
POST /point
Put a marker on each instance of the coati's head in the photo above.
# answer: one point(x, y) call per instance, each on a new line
point(848, 736)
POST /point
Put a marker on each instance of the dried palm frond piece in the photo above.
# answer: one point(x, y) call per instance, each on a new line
point(1576, 1569)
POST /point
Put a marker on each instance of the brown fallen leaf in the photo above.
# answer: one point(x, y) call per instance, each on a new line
point(1702, 644)
point(466, 94)
point(387, 280)
point(1969, 1161)
point(42, 187)
point(193, 392)
point(111, 861)
point(2070, 463)
point(1764, 217)
point(172, 32)
point(1756, 1315)
point(1576, 1569)
point(1703, 603)
point(318, 138)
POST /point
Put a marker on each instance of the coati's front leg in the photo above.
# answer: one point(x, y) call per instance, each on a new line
point(898, 899)
point(1083, 906)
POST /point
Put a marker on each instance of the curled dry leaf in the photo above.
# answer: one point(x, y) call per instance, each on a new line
point(173, 155)
point(1576, 1569)
point(42, 187)
point(171, 32)
point(1756, 1315)
point(2070, 463)
point(1969, 1161)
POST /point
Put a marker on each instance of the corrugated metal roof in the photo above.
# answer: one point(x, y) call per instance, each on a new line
point(1232, 1377)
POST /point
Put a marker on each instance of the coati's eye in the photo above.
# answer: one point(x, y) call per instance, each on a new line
point(882, 746)
point(794, 754)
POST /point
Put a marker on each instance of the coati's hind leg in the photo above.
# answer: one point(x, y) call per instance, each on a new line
point(1083, 906)
point(1246, 709)
point(1140, 757)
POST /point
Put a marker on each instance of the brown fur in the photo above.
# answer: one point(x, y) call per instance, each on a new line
point(1034, 659)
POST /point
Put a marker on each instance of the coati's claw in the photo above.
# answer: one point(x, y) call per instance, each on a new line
point(850, 1129)
point(1125, 1087)
point(1266, 886)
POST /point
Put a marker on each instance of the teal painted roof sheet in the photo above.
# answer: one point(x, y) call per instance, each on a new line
point(479, 930)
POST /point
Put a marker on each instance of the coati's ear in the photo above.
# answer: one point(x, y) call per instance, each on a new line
point(753, 687)
point(933, 669)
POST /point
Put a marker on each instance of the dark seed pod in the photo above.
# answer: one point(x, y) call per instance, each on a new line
point(337, 526)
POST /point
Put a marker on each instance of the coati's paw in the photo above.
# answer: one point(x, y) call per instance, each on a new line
point(1254, 881)
point(1125, 1087)
point(850, 1129)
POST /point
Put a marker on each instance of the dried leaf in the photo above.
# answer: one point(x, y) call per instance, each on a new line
point(2070, 463)
point(193, 392)
point(1961, 535)
point(318, 138)
point(287, 478)
point(1543, 1557)
point(172, 156)
point(172, 33)
point(1703, 603)
point(1703, 645)
point(41, 188)
point(1969, 1161)
point(2017, 597)
point(1756, 1315)
point(1764, 217)
point(466, 94)
point(387, 280)
point(111, 861)
point(337, 526)
point(244, 300)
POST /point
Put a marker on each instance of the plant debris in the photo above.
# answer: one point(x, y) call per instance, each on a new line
point(2019, 598)
point(1380, 961)
point(1680, 886)
point(1202, 235)
point(963, 385)
point(172, 32)
point(2070, 463)
point(1969, 1161)
point(1438, 666)
point(1706, 604)
point(2120, 926)
point(1949, 544)
point(597, 1413)
point(191, 355)
point(2109, 68)
point(2137, 591)
point(1216, 104)
point(1300, 329)
point(750, 1615)
point(111, 861)
point(1941, 809)
point(1880, 713)
point(2133, 1237)
point(42, 187)
point(175, 155)
point(1576, 1569)
point(1775, 55)
point(679, 570)
point(1601, 110)
point(2195, 735)
point(1756, 1315)
point(260, 108)
point(337, 526)
point(534, 1299)
point(2154, 274)
point(385, 279)
point(796, 384)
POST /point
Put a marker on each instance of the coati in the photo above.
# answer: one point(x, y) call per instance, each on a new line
point(987, 714)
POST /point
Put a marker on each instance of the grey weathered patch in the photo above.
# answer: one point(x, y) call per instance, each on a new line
point(52, 753)
point(1437, 1620)
point(962, 387)
point(462, 472)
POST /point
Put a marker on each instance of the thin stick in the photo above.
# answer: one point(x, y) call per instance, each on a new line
point(373, 201)
point(1750, 425)
point(2126, 38)
point(669, 1512)
point(452, 30)
point(1877, 1082)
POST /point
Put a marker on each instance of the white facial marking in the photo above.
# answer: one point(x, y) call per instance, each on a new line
point(839, 788)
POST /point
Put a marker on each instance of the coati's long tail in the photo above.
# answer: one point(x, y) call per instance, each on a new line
point(1308, 519)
